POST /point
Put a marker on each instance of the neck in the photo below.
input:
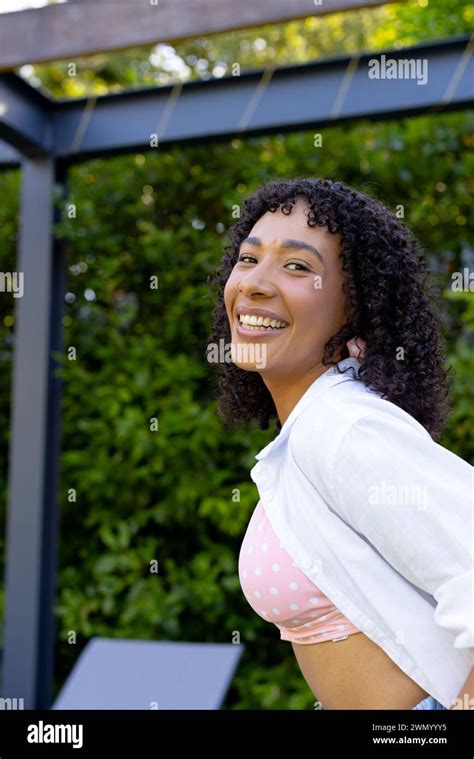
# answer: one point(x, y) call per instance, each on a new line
point(286, 392)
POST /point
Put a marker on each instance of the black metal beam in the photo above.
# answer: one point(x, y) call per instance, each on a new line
point(9, 157)
point(25, 116)
point(290, 98)
point(293, 98)
point(32, 514)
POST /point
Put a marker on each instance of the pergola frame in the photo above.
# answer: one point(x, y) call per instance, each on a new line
point(44, 137)
point(253, 103)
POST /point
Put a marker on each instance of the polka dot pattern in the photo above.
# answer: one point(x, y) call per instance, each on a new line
point(276, 588)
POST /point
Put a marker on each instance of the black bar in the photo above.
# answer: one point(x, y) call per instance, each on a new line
point(383, 733)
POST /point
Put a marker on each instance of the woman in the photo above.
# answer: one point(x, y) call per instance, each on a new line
point(362, 535)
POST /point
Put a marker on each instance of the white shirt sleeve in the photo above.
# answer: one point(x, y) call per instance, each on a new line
point(414, 501)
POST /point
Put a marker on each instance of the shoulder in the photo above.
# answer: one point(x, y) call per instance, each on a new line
point(349, 406)
point(349, 425)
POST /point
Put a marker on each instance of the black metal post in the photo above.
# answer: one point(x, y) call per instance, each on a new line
point(32, 514)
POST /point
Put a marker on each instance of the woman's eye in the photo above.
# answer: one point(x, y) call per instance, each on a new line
point(243, 256)
point(297, 263)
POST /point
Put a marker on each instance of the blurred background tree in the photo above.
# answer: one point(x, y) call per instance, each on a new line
point(141, 353)
point(394, 25)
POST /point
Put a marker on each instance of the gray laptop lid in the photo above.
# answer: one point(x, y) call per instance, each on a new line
point(112, 673)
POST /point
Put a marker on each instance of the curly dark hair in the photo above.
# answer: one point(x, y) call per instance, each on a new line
point(389, 293)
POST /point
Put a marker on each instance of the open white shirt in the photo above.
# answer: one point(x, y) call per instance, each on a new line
point(381, 519)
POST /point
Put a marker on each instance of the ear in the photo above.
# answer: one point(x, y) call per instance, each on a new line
point(356, 347)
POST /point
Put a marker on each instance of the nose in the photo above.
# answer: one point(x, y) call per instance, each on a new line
point(256, 282)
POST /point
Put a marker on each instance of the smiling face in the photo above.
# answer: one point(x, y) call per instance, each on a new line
point(293, 273)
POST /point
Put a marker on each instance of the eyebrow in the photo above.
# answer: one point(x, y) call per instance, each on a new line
point(294, 244)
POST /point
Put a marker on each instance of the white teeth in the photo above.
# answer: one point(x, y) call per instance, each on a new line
point(260, 321)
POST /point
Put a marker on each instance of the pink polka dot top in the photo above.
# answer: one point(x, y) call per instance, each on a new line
point(280, 592)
